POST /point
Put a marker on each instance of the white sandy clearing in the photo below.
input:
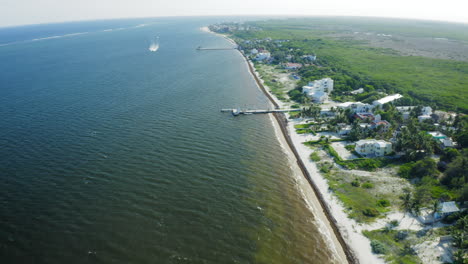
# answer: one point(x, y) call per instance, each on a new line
point(345, 154)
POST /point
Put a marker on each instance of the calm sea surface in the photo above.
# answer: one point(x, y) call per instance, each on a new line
point(111, 153)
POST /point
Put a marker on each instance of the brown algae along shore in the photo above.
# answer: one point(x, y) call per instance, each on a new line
point(313, 196)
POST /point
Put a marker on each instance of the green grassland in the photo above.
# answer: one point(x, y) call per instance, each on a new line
point(439, 82)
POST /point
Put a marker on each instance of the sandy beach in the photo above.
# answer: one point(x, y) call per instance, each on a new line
point(336, 243)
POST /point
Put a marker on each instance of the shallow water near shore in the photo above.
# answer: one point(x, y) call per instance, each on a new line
point(113, 153)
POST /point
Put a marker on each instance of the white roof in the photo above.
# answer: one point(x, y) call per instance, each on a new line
point(436, 134)
point(381, 143)
point(388, 99)
point(448, 207)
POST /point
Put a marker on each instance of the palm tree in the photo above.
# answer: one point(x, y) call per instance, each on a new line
point(406, 201)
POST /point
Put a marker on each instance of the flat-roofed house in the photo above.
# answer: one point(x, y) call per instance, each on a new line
point(373, 148)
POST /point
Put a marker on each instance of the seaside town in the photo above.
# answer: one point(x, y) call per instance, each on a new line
point(395, 165)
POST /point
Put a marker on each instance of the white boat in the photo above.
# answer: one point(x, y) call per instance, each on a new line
point(235, 112)
point(154, 45)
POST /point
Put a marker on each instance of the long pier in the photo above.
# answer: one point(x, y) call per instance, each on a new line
point(200, 48)
point(236, 112)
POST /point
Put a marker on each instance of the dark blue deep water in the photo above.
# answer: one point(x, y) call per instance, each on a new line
point(110, 153)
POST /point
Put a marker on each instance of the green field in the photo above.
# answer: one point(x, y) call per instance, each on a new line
point(439, 82)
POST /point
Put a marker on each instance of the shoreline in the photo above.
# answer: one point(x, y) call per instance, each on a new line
point(282, 123)
point(314, 197)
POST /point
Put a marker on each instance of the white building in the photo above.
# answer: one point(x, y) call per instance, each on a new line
point(263, 56)
point(310, 57)
point(424, 117)
point(427, 110)
point(426, 113)
point(358, 91)
point(319, 90)
point(356, 107)
point(387, 99)
point(373, 148)
point(343, 129)
point(254, 51)
point(445, 209)
point(405, 111)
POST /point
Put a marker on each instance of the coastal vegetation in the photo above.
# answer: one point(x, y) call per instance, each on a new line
point(352, 63)
point(422, 170)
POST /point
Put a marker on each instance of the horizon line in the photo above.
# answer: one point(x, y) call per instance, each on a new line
point(272, 16)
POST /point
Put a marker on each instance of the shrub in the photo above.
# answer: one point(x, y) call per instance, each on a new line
point(325, 167)
point(394, 223)
point(355, 183)
point(401, 235)
point(295, 106)
point(367, 185)
point(370, 212)
point(314, 156)
point(377, 247)
point(350, 147)
point(383, 203)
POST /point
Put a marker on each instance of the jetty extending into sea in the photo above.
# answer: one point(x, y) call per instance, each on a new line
point(236, 111)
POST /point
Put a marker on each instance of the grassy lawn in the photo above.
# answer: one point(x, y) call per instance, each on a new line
point(276, 87)
point(395, 245)
point(359, 202)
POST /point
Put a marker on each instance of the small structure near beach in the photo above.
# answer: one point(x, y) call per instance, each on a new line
point(446, 209)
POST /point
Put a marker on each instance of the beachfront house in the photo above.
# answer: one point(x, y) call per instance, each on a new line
point(319, 90)
point(356, 107)
point(262, 56)
point(373, 148)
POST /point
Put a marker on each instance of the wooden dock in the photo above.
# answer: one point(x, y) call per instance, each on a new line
point(236, 112)
point(232, 48)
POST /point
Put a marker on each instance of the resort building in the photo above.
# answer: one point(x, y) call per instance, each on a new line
point(319, 90)
point(373, 148)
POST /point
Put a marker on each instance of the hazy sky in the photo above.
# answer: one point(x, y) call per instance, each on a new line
point(17, 12)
